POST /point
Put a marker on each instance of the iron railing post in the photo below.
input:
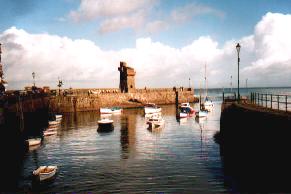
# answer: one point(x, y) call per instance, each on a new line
point(278, 101)
point(286, 101)
point(271, 101)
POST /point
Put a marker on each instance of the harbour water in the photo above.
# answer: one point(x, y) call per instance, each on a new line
point(182, 157)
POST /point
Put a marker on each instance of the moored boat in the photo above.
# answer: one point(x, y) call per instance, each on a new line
point(183, 115)
point(186, 110)
point(54, 122)
point(44, 173)
point(105, 121)
point(49, 132)
point(152, 108)
point(105, 124)
point(207, 105)
point(33, 141)
point(52, 127)
point(113, 110)
point(59, 116)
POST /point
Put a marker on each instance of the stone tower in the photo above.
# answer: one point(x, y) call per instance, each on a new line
point(127, 80)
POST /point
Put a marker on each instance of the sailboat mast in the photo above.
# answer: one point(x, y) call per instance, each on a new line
point(205, 82)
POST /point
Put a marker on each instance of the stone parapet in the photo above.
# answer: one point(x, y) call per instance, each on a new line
point(93, 102)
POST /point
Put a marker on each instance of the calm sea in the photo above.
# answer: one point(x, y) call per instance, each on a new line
point(182, 157)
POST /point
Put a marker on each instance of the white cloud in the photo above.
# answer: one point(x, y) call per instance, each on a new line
point(156, 26)
point(272, 49)
point(134, 21)
point(91, 9)
point(188, 11)
point(265, 59)
point(115, 15)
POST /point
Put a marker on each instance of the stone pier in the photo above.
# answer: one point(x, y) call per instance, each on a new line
point(92, 101)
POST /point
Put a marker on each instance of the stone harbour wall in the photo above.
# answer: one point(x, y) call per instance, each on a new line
point(93, 102)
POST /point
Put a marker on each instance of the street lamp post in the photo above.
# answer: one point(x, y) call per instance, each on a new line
point(238, 50)
point(231, 84)
point(247, 84)
point(189, 83)
point(33, 76)
point(60, 85)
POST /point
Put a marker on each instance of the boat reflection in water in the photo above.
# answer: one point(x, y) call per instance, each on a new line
point(200, 120)
point(182, 121)
point(105, 128)
point(155, 130)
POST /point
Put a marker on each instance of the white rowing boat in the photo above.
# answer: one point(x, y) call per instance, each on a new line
point(45, 172)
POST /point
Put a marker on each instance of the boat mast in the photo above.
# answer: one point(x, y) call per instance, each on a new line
point(205, 82)
point(200, 95)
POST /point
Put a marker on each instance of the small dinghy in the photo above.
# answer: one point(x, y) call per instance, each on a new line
point(52, 127)
point(49, 132)
point(34, 141)
point(113, 110)
point(44, 173)
point(54, 122)
point(59, 116)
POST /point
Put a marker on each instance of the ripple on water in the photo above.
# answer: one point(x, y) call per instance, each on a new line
point(179, 158)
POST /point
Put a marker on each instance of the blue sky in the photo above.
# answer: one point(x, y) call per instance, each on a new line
point(118, 26)
point(43, 16)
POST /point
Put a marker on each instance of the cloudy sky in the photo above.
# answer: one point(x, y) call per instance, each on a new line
point(166, 41)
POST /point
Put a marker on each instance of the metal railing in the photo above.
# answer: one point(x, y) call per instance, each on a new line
point(273, 101)
point(229, 97)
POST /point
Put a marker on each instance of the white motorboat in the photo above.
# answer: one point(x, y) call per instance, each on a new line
point(152, 108)
point(183, 115)
point(186, 110)
point(34, 141)
point(44, 173)
point(113, 110)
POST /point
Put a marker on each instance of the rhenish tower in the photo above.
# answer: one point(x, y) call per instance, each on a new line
point(127, 80)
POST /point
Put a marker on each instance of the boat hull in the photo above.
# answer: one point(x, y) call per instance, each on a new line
point(49, 133)
point(54, 122)
point(150, 110)
point(44, 176)
point(33, 142)
point(110, 110)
